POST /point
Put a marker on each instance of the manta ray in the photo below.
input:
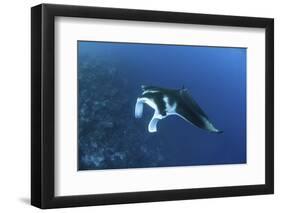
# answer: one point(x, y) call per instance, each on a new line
point(166, 102)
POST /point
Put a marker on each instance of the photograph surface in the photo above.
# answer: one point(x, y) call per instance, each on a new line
point(160, 105)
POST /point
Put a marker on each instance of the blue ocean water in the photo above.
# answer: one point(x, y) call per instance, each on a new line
point(110, 76)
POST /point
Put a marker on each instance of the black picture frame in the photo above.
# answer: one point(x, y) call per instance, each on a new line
point(43, 102)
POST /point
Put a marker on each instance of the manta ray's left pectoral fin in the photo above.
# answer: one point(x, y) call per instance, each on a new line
point(139, 108)
point(152, 126)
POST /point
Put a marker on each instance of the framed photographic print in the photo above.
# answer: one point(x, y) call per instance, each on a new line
point(140, 106)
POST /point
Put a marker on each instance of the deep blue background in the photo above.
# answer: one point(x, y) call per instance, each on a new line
point(214, 76)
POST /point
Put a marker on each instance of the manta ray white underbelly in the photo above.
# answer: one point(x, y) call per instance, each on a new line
point(166, 102)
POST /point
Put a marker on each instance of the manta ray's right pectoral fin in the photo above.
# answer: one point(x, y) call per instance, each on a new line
point(152, 126)
point(139, 108)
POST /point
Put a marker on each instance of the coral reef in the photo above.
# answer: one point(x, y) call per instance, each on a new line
point(109, 135)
